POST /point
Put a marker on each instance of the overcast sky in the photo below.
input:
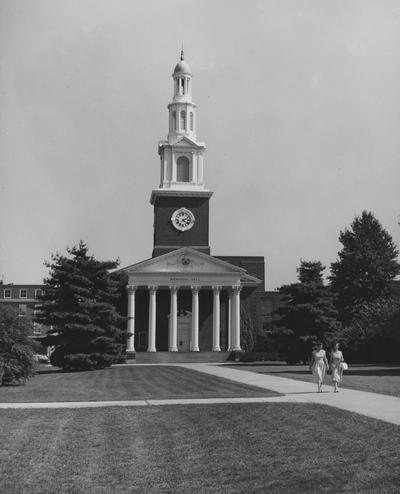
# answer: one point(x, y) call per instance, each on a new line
point(298, 104)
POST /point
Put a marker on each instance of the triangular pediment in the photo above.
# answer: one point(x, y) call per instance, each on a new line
point(185, 260)
point(184, 141)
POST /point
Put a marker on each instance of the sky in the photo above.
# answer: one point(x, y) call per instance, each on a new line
point(298, 103)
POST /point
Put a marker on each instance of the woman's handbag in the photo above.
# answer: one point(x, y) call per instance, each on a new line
point(343, 366)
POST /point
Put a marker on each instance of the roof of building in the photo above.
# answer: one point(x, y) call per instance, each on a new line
point(182, 67)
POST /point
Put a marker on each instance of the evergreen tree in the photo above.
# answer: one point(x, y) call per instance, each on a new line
point(309, 314)
point(16, 349)
point(373, 334)
point(78, 302)
point(366, 265)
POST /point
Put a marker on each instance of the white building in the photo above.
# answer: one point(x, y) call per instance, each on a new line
point(183, 299)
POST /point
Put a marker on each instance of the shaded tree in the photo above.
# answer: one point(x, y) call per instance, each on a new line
point(78, 302)
point(16, 348)
point(366, 265)
point(373, 335)
point(247, 330)
point(308, 315)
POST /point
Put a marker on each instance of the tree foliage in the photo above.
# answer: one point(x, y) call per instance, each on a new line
point(373, 335)
point(78, 302)
point(247, 330)
point(308, 315)
point(16, 352)
point(366, 265)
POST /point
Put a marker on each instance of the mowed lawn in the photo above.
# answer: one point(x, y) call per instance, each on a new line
point(223, 448)
point(126, 383)
point(384, 379)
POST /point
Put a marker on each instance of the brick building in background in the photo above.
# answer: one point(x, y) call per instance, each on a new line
point(25, 298)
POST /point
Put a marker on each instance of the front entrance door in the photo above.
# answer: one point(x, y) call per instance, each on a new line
point(184, 325)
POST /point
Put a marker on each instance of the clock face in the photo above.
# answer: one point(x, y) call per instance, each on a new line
point(182, 219)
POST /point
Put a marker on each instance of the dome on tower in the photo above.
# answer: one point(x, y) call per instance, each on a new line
point(182, 67)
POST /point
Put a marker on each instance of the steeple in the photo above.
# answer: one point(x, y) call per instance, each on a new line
point(181, 202)
point(182, 108)
point(181, 154)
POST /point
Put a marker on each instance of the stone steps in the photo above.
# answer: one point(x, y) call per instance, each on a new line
point(181, 357)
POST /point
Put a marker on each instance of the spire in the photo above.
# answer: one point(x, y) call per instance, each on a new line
point(182, 55)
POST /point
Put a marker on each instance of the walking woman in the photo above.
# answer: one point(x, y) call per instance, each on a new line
point(335, 362)
point(319, 365)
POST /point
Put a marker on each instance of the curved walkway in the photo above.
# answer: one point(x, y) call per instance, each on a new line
point(378, 406)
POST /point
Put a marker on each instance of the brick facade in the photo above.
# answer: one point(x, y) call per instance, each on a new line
point(168, 238)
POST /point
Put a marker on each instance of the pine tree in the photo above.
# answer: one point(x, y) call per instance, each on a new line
point(366, 265)
point(16, 349)
point(78, 302)
point(309, 314)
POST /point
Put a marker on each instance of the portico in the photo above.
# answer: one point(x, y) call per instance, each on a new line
point(187, 270)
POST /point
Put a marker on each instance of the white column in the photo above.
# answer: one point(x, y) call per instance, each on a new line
point(200, 176)
point(194, 340)
point(193, 167)
point(173, 176)
point(216, 319)
point(236, 318)
point(152, 318)
point(230, 322)
point(173, 320)
point(130, 340)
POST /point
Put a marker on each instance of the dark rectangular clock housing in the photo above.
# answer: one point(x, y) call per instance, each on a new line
point(166, 236)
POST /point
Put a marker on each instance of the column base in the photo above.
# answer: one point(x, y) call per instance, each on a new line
point(216, 349)
point(236, 349)
point(195, 349)
point(153, 350)
point(173, 349)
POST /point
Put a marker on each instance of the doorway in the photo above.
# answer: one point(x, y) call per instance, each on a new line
point(184, 325)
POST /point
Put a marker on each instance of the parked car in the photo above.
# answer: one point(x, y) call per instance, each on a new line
point(41, 359)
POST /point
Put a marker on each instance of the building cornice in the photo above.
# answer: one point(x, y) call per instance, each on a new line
point(178, 193)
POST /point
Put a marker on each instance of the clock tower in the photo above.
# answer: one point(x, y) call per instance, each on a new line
point(181, 202)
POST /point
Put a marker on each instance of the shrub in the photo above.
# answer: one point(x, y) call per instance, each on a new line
point(16, 351)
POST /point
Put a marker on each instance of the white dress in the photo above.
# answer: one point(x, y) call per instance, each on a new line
point(319, 367)
point(337, 371)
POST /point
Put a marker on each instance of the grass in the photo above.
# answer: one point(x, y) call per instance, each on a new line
point(230, 448)
point(383, 379)
point(126, 383)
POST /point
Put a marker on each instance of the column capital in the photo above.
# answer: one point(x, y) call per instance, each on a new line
point(152, 288)
point(236, 288)
point(174, 288)
point(131, 288)
point(195, 288)
point(216, 288)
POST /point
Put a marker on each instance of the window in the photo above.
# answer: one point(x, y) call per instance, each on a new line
point(38, 292)
point(7, 293)
point(23, 293)
point(183, 120)
point(174, 120)
point(23, 309)
point(36, 310)
point(182, 169)
point(191, 120)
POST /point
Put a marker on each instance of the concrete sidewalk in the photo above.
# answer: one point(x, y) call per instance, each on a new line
point(377, 406)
